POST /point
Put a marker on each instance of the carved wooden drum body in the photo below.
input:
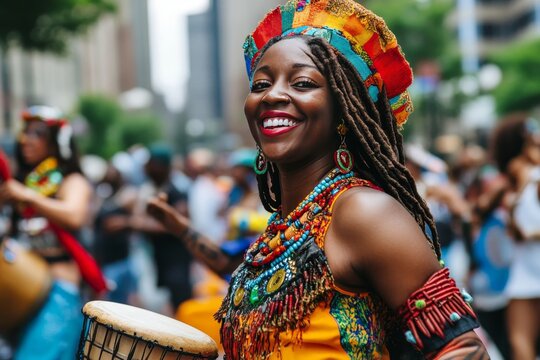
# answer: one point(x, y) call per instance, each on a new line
point(25, 281)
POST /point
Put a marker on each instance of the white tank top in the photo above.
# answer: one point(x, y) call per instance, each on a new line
point(527, 210)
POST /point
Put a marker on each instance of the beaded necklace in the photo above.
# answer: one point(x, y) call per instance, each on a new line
point(283, 236)
point(45, 178)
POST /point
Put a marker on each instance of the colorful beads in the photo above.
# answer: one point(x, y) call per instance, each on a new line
point(454, 317)
point(410, 337)
point(276, 281)
point(441, 262)
point(238, 296)
point(280, 231)
point(254, 295)
point(45, 178)
point(283, 238)
point(466, 296)
point(420, 304)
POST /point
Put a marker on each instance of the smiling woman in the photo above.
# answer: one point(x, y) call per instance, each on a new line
point(347, 267)
point(350, 250)
point(290, 110)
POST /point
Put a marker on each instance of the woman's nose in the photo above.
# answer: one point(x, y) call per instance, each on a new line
point(276, 94)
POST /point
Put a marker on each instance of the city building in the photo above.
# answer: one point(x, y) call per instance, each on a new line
point(218, 82)
point(487, 25)
point(111, 58)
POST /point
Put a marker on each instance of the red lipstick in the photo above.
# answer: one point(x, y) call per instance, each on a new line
point(287, 122)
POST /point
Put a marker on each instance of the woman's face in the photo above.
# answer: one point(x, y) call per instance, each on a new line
point(290, 110)
point(34, 142)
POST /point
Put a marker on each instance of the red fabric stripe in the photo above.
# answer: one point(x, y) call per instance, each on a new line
point(5, 172)
point(269, 27)
point(394, 70)
point(87, 265)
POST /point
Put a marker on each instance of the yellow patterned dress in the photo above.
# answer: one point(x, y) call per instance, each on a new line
point(283, 302)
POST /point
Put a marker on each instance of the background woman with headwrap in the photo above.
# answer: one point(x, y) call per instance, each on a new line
point(51, 198)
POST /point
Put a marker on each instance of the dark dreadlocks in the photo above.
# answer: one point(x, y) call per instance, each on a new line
point(375, 140)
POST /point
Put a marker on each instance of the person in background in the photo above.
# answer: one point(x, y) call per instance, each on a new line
point(245, 219)
point(6, 351)
point(206, 199)
point(489, 245)
point(445, 201)
point(171, 259)
point(51, 202)
point(111, 243)
point(516, 144)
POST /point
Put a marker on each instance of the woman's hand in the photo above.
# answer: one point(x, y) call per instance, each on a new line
point(201, 247)
point(115, 223)
point(169, 217)
point(13, 190)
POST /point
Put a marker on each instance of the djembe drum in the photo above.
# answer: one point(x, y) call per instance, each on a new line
point(25, 282)
point(114, 331)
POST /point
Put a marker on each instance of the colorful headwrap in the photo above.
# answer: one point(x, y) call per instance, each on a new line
point(361, 36)
point(52, 117)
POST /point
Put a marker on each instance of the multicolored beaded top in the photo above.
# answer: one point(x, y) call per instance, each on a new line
point(45, 178)
point(285, 275)
point(361, 36)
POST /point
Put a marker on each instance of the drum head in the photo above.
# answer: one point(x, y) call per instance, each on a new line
point(151, 327)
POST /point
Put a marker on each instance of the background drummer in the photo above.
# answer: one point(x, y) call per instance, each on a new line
point(49, 188)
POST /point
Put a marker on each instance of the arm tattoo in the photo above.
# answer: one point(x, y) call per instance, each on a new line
point(204, 247)
point(464, 347)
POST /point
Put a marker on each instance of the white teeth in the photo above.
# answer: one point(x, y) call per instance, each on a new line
point(267, 123)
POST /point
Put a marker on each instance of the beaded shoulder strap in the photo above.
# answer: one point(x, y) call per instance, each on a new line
point(325, 223)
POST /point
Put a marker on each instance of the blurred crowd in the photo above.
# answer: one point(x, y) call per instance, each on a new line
point(485, 200)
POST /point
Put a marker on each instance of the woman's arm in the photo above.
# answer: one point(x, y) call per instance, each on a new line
point(374, 243)
point(69, 209)
point(202, 248)
point(467, 346)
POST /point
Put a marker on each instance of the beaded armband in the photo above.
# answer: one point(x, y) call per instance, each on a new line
point(437, 313)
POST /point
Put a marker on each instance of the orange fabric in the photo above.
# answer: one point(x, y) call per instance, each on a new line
point(320, 341)
point(199, 313)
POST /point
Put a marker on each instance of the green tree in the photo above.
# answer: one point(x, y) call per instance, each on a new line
point(102, 116)
point(110, 129)
point(46, 25)
point(144, 129)
point(520, 85)
point(42, 25)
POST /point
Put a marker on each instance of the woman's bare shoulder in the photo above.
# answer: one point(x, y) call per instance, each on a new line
point(383, 243)
point(366, 211)
point(75, 182)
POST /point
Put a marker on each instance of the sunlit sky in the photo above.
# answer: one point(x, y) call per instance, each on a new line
point(169, 46)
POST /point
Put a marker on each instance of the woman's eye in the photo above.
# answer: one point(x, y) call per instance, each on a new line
point(259, 85)
point(305, 84)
